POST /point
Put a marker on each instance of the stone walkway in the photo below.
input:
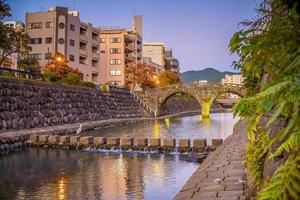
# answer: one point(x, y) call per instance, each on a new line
point(222, 174)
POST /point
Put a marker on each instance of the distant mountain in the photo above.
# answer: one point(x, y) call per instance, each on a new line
point(209, 74)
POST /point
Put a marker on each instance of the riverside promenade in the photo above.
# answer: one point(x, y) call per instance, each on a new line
point(222, 174)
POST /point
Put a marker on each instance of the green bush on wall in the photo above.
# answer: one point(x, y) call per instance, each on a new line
point(51, 77)
point(71, 79)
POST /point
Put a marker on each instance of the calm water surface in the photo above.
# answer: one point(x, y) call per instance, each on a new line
point(191, 127)
point(63, 174)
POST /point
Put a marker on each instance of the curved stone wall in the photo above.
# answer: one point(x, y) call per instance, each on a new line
point(28, 104)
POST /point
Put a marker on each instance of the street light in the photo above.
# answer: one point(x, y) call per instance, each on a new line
point(59, 59)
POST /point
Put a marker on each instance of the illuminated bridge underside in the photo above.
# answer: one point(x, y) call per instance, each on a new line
point(204, 94)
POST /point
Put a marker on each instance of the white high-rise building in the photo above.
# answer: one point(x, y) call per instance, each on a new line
point(233, 79)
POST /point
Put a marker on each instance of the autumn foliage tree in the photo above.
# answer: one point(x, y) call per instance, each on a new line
point(168, 78)
point(11, 40)
point(59, 66)
point(140, 74)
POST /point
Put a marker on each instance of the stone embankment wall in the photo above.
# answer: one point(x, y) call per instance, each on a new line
point(28, 104)
point(183, 104)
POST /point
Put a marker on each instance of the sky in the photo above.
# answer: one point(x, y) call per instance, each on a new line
point(198, 31)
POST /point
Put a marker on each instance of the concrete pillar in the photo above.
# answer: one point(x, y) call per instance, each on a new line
point(54, 139)
point(205, 108)
point(86, 141)
point(199, 143)
point(34, 139)
point(74, 140)
point(141, 142)
point(64, 139)
point(184, 143)
point(216, 142)
point(169, 143)
point(43, 139)
point(113, 141)
point(98, 141)
point(154, 142)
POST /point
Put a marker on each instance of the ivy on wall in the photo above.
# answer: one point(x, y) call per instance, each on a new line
point(269, 59)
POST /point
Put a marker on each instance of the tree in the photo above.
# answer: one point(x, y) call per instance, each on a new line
point(4, 10)
point(59, 66)
point(269, 58)
point(140, 73)
point(167, 78)
point(29, 64)
point(11, 40)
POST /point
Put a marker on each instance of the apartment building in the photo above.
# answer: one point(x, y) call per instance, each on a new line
point(171, 63)
point(60, 30)
point(155, 51)
point(12, 60)
point(233, 79)
point(119, 48)
point(156, 67)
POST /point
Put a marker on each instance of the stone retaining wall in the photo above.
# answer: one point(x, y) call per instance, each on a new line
point(28, 104)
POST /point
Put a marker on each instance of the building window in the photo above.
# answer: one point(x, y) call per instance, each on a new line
point(35, 41)
point(36, 56)
point(72, 43)
point(71, 57)
point(115, 40)
point(48, 56)
point(61, 41)
point(115, 61)
point(61, 25)
point(35, 25)
point(115, 72)
point(102, 40)
point(49, 24)
point(115, 50)
point(72, 27)
point(152, 51)
point(102, 51)
point(48, 40)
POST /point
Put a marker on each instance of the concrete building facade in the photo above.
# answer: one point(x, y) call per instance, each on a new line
point(233, 79)
point(119, 49)
point(155, 51)
point(60, 30)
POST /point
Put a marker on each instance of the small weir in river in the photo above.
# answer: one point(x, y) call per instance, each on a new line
point(111, 163)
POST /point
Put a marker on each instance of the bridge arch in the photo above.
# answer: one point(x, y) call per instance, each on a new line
point(206, 103)
point(175, 91)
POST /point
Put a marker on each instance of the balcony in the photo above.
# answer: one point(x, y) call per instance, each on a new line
point(82, 52)
point(95, 70)
point(130, 58)
point(83, 38)
point(129, 48)
point(95, 56)
point(95, 43)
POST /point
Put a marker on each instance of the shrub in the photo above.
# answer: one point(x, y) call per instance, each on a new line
point(51, 77)
point(88, 84)
point(71, 79)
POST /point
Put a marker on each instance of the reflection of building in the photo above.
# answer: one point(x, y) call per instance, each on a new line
point(119, 47)
point(60, 30)
point(233, 79)
point(12, 60)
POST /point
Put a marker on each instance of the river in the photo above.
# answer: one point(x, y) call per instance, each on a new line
point(65, 174)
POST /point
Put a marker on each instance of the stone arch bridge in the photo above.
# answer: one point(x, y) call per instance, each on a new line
point(203, 93)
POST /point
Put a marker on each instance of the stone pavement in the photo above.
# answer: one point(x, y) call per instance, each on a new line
point(222, 174)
